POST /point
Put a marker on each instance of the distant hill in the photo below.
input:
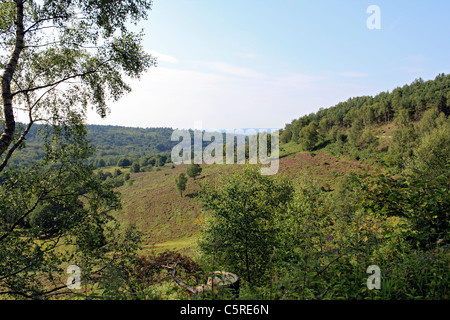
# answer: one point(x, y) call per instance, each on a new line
point(111, 143)
point(114, 142)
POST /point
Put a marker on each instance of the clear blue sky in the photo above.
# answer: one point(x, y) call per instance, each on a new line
point(260, 64)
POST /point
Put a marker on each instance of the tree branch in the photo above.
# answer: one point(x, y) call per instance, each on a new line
point(27, 129)
point(42, 20)
point(54, 84)
point(22, 217)
point(15, 146)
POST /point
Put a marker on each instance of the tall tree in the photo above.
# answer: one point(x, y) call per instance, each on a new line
point(57, 58)
point(83, 46)
point(309, 136)
point(355, 132)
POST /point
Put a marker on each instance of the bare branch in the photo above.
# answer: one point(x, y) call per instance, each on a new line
point(41, 21)
point(15, 146)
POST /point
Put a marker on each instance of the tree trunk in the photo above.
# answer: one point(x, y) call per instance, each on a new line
point(10, 124)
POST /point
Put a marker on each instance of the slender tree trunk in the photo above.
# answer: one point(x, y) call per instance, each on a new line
point(247, 262)
point(10, 124)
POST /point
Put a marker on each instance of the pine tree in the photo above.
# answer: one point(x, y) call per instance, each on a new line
point(309, 136)
point(181, 182)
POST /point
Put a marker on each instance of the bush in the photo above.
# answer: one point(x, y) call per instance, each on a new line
point(246, 198)
point(51, 217)
point(194, 170)
point(312, 244)
point(135, 167)
point(124, 162)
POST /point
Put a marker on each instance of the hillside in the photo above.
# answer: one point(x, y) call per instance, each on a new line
point(346, 201)
point(340, 148)
point(111, 143)
point(151, 202)
point(345, 195)
point(352, 136)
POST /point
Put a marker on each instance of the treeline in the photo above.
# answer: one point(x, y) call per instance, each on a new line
point(114, 144)
point(410, 100)
point(120, 146)
point(111, 144)
point(406, 127)
point(415, 99)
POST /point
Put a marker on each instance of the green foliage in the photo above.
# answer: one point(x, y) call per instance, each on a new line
point(124, 162)
point(314, 244)
point(135, 167)
point(161, 159)
point(308, 136)
point(286, 135)
point(58, 201)
point(359, 118)
point(355, 132)
point(53, 217)
point(181, 182)
point(117, 172)
point(138, 145)
point(194, 170)
point(58, 58)
point(421, 198)
point(433, 149)
point(101, 163)
point(248, 199)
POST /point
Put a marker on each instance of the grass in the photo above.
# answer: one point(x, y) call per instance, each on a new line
point(114, 168)
point(153, 204)
point(170, 221)
point(289, 148)
point(187, 244)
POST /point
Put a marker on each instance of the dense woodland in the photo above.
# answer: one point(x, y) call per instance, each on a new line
point(414, 98)
point(111, 143)
point(406, 125)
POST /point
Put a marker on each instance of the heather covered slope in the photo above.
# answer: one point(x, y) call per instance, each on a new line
point(153, 204)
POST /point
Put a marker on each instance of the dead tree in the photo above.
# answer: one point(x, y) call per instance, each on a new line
point(219, 279)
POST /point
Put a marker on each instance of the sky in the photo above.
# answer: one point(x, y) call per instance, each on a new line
point(260, 64)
